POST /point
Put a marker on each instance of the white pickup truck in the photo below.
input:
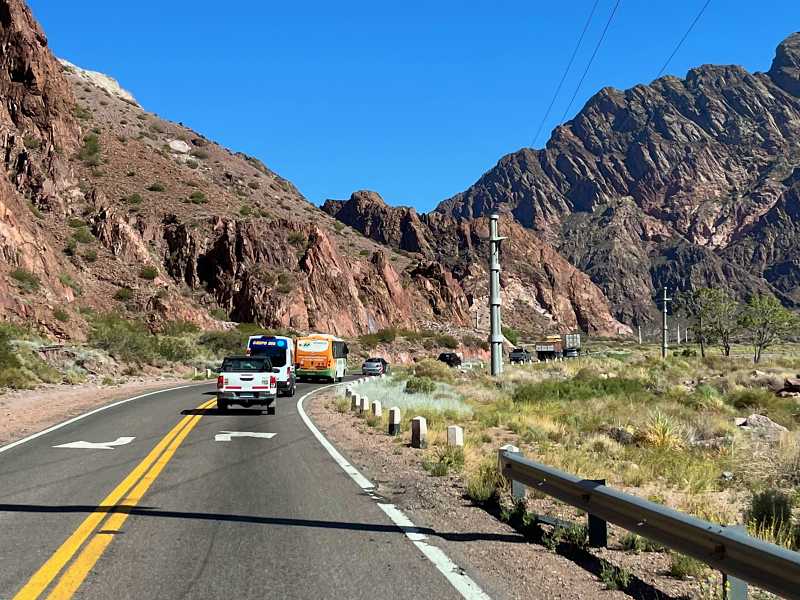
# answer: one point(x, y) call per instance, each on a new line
point(247, 381)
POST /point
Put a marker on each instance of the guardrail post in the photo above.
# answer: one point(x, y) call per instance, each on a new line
point(734, 588)
point(394, 420)
point(517, 488)
point(598, 528)
point(363, 404)
point(419, 432)
point(354, 400)
point(455, 436)
point(375, 408)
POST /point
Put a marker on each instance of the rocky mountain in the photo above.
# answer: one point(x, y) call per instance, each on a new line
point(683, 182)
point(108, 207)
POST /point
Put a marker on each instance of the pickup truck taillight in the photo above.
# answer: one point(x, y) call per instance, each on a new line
point(273, 381)
point(220, 382)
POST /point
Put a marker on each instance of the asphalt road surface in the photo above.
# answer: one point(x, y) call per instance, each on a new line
point(174, 513)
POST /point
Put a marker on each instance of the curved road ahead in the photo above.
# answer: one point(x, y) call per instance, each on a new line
point(175, 514)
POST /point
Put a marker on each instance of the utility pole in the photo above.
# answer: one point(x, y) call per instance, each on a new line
point(639, 327)
point(496, 335)
point(678, 330)
point(664, 331)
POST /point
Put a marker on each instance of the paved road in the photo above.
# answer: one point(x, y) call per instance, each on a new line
point(195, 517)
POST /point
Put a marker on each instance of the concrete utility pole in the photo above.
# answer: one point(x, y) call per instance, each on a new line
point(496, 335)
point(639, 327)
point(678, 331)
point(664, 331)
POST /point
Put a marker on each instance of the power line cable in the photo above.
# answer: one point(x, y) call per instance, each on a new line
point(683, 39)
point(591, 59)
point(566, 72)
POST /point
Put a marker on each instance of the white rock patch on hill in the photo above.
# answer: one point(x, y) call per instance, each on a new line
point(102, 81)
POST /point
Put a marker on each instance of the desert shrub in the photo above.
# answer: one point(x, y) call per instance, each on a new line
point(420, 385)
point(71, 247)
point(443, 460)
point(662, 432)
point(245, 210)
point(433, 369)
point(683, 567)
point(219, 313)
point(156, 127)
point(89, 152)
point(192, 164)
point(575, 389)
point(156, 187)
point(197, 197)
point(615, 578)
point(225, 342)
point(134, 199)
point(364, 252)
point(82, 235)
point(31, 142)
point(770, 509)
point(125, 339)
point(176, 349)
point(148, 272)
point(27, 281)
point(35, 210)
point(81, 112)
point(61, 315)
point(90, 255)
point(483, 484)
point(175, 328)
point(512, 335)
point(123, 294)
point(636, 543)
point(447, 341)
point(75, 222)
point(198, 153)
point(296, 238)
point(253, 185)
point(67, 280)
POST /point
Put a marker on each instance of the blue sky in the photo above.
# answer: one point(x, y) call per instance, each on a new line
point(412, 99)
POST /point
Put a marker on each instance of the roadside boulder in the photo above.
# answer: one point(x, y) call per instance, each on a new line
point(179, 146)
point(763, 427)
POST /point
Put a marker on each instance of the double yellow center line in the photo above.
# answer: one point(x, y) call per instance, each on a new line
point(127, 495)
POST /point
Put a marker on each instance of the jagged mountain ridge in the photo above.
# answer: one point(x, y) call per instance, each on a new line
point(108, 207)
point(697, 177)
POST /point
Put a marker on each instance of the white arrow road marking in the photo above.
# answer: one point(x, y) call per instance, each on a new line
point(120, 441)
point(225, 436)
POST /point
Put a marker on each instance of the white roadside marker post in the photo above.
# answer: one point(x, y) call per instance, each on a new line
point(419, 432)
point(394, 420)
point(455, 436)
point(375, 408)
point(354, 400)
point(363, 404)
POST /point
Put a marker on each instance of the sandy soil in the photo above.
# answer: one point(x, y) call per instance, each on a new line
point(508, 565)
point(28, 411)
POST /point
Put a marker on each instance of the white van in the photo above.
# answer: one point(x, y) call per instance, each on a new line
point(280, 351)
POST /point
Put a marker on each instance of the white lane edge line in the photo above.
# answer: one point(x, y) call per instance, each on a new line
point(90, 413)
point(454, 574)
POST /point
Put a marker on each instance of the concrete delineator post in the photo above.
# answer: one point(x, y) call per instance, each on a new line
point(375, 408)
point(419, 432)
point(363, 404)
point(354, 400)
point(517, 488)
point(394, 420)
point(455, 436)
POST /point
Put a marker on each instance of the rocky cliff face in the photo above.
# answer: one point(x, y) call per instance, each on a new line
point(541, 290)
point(684, 180)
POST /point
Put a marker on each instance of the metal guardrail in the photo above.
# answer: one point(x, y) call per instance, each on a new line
point(734, 553)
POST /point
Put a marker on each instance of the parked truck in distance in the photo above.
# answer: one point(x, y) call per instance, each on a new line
point(558, 346)
point(520, 356)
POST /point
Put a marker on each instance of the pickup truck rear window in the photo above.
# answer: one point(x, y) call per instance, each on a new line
point(251, 364)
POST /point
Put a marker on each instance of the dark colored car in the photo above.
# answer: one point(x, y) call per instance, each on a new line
point(520, 355)
point(451, 359)
point(375, 366)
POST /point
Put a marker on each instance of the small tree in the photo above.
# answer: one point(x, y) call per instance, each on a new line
point(696, 305)
point(723, 318)
point(766, 322)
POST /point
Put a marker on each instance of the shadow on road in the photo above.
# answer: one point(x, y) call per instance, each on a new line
point(281, 521)
point(210, 412)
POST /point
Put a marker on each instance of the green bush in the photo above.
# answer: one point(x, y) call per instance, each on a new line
point(134, 199)
point(512, 335)
point(27, 281)
point(296, 238)
point(197, 197)
point(123, 294)
point(447, 341)
point(683, 567)
point(89, 152)
point(75, 222)
point(82, 235)
point(67, 280)
point(434, 370)
point(156, 187)
point(245, 210)
point(148, 272)
point(219, 313)
point(577, 389)
point(192, 164)
point(176, 328)
point(483, 485)
point(770, 509)
point(90, 255)
point(31, 142)
point(176, 349)
point(225, 342)
point(198, 153)
point(81, 113)
point(444, 460)
point(420, 385)
point(61, 315)
point(125, 339)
